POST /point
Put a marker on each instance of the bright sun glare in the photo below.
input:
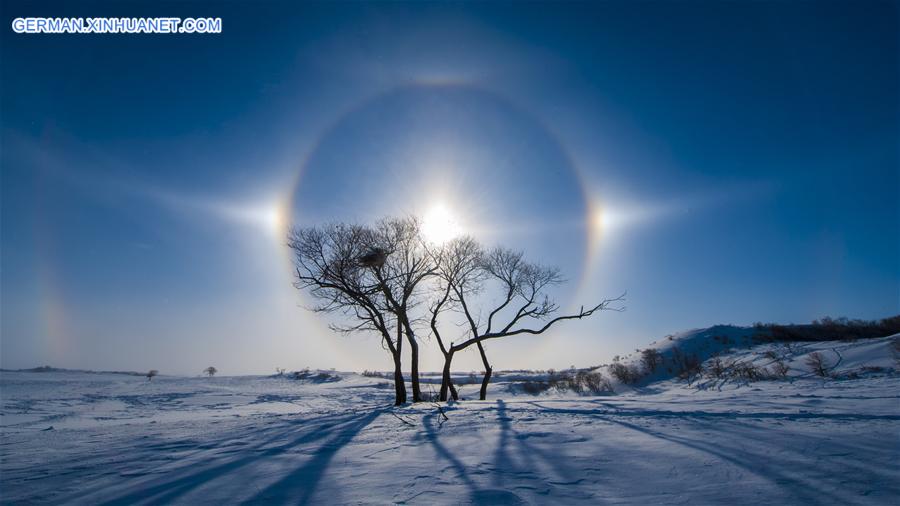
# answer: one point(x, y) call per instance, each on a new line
point(440, 225)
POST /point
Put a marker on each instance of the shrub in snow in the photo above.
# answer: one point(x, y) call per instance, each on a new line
point(716, 368)
point(562, 381)
point(594, 382)
point(315, 376)
point(651, 359)
point(817, 363)
point(535, 387)
point(555, 380)
point(570, 382)
point(686, 365)
point(780, 369)
point(747, 372)
point(211, 371)
point(740, 372)
point(151, 373)
point(628, 375)
point(575, 381)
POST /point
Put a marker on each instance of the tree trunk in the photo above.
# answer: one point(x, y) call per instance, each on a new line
point(487, 372)
point(446, 381)
point(453, 393)
point(414, 369)
point(399, 385)
point(484, 383)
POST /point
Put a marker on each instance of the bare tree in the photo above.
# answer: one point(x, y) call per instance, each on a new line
point(376, 278)
point(459, 265)
point(339, 266)
point(467, 269)
point(211, 371)
point(151, 373)
point(402, 264)
point(440, 306)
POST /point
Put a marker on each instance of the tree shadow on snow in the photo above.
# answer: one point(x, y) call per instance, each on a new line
point(751, 449)
point(297, 486)
point(515, 463)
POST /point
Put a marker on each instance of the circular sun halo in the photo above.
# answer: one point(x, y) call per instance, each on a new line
point(439, 225)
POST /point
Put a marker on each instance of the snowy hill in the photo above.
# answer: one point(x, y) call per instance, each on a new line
point(333, 438)
point(722, 356)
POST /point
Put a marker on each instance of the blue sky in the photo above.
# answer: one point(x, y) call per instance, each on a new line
point(723, 162)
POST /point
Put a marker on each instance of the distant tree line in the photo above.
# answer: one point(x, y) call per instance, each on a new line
point(829, 329)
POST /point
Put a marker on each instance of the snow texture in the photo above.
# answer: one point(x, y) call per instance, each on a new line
point(334, 438)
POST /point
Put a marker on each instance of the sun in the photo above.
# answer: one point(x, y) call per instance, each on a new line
point(440, 224)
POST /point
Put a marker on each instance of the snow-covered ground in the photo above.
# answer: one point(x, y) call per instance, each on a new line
point(80, 438)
